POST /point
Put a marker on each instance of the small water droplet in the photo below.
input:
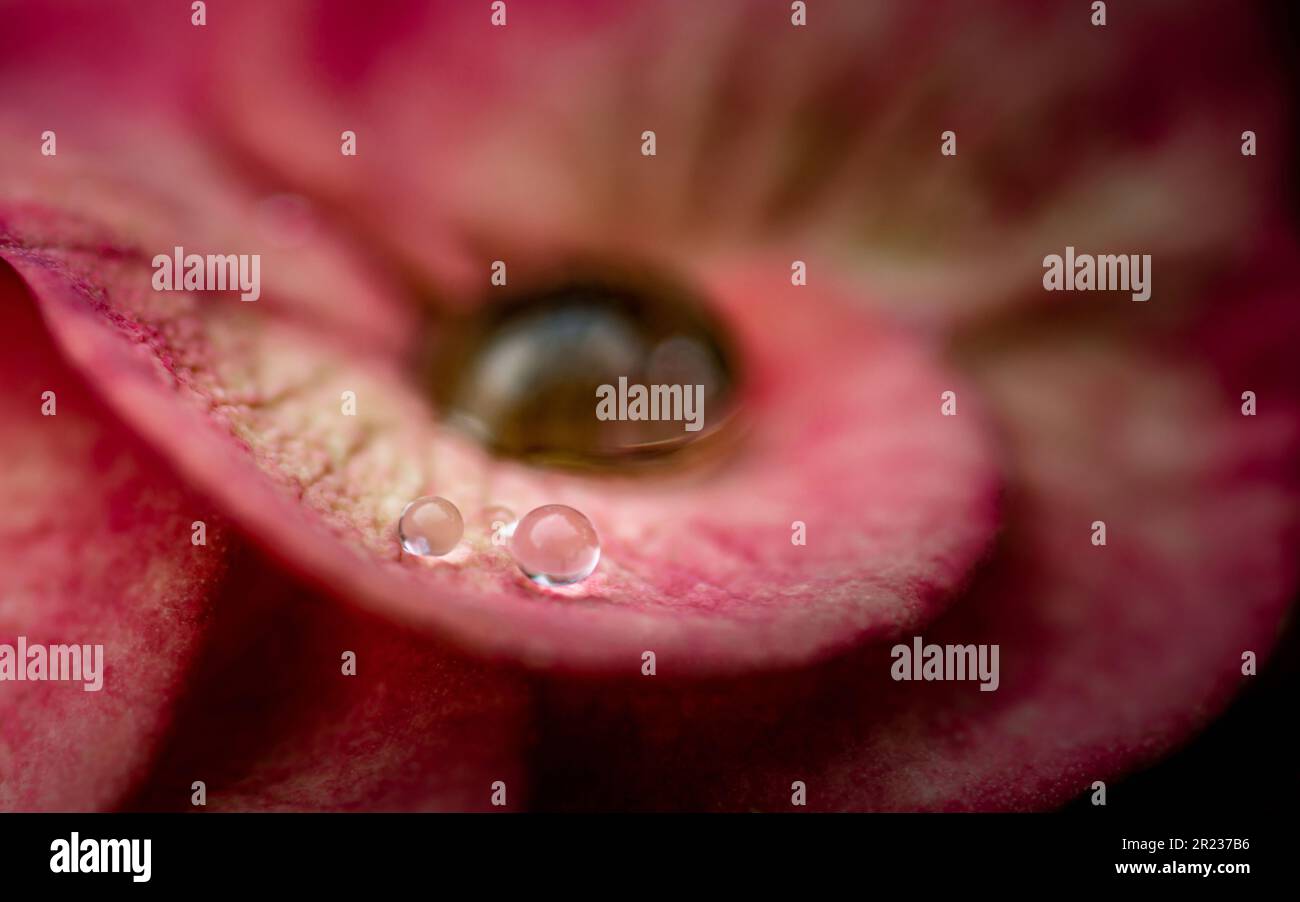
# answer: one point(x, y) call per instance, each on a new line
point(498, 523)
point(430, 526)
point(555, 545)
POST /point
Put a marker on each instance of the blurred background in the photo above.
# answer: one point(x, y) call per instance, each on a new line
point(1248, 757)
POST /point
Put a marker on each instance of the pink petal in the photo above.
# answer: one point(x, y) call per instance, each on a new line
point(847, 438)
point(214, 660)
point(1109, 656)
point(477, 143)
point(272, 723)
point(96, 535)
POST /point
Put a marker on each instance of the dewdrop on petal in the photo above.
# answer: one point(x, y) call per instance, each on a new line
point(430, 527)
point(555, 545)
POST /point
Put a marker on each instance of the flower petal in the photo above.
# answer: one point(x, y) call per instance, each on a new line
point(475, 141)
point(279, 719)
point(846, 437)
point(1109, 655)
point(97, 550)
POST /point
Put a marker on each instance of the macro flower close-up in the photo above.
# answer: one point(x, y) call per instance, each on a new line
point(629, 406)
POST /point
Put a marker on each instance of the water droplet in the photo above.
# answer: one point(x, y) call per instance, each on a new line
point(498, 523)
point(521, 374)
point(555, 545)
point(430, 526)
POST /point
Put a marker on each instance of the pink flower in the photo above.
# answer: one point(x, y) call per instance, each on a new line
point(477, 143)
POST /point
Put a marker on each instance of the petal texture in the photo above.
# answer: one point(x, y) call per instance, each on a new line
point(96, 537)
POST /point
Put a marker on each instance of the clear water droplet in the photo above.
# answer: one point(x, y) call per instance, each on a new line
point(498, 523)
point(555, 545)
point(430, 526)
